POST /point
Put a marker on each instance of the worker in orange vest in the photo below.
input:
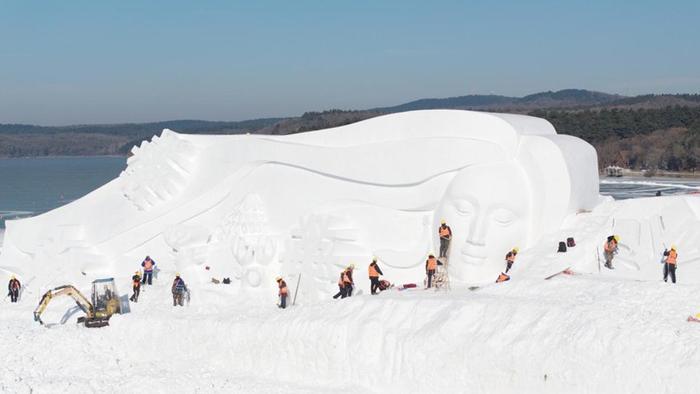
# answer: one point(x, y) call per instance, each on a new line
point(148, 264)
point(341, 286)
point(445, 233)
point(510, 258)
point(348, 282)
point(282, 285)
point(430, 266)
point(374, 273)
point(610, 250)
point(670, 263)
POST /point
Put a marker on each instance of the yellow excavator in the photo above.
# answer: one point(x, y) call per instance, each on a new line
point(105, 302)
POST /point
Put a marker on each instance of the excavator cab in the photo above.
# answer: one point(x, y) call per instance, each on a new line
point(101, 306)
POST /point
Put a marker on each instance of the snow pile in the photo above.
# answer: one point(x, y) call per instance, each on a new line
point(574, 334)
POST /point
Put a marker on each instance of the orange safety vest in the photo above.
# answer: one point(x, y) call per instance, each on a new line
point(444, 232)
point(432, 263)
point(373, 271)
point(671, 258)
point(283, 288)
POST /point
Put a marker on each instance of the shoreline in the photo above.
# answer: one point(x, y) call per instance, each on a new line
point(656, 174)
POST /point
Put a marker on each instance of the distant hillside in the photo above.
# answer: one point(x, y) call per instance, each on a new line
point(568, 98)
point(648, 131)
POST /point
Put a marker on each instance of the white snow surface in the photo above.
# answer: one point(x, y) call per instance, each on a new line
point(254, 207)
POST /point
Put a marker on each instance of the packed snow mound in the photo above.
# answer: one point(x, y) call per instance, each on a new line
point(572, 334)
point(251, 207)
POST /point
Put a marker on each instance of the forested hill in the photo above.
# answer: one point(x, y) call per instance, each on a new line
point(648, 131)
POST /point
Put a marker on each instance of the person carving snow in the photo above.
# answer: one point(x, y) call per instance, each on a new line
point(445, 233)
point(148, 264)
point(374, 272)
point(430, 267)
point(510, 258)
point(610, 250)
point(136, 286)
point(348, 282)
point(671, 257)
point(282, 292)
point(13, 288)
point(179, 289)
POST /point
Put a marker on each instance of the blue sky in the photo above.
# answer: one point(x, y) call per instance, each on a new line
point(68, 62)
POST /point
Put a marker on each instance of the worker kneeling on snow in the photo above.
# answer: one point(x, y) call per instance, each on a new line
point(282, 285)
point(179, 290)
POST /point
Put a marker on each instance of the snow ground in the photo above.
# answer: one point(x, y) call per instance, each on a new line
point(582, 333)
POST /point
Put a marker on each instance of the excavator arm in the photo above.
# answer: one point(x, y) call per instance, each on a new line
point(70, 291)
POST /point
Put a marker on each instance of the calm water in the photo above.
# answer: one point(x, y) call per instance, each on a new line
point(35, 185)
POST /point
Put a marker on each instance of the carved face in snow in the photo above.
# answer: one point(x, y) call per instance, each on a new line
point(488, 208)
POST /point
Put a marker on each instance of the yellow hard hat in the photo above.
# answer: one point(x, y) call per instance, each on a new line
point(177, 274)
point(277, 279)
point(617, 238)
point(351, 266)
point(14, 277)
point(673, 247)
point(374, 259)
point(516, 249)
point(431, 254)
point(442, 221)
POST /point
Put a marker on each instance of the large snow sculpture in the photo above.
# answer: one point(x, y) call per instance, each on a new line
point(327, 198)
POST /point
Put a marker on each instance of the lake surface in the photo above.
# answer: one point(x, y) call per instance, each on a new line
point(31, 186)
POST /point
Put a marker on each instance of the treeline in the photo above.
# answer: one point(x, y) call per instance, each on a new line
point(666, 138)
point(596, 126)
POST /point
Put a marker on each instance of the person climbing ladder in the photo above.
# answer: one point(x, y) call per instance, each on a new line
point(445, 233)
point(671, 258)
point(374, 273)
